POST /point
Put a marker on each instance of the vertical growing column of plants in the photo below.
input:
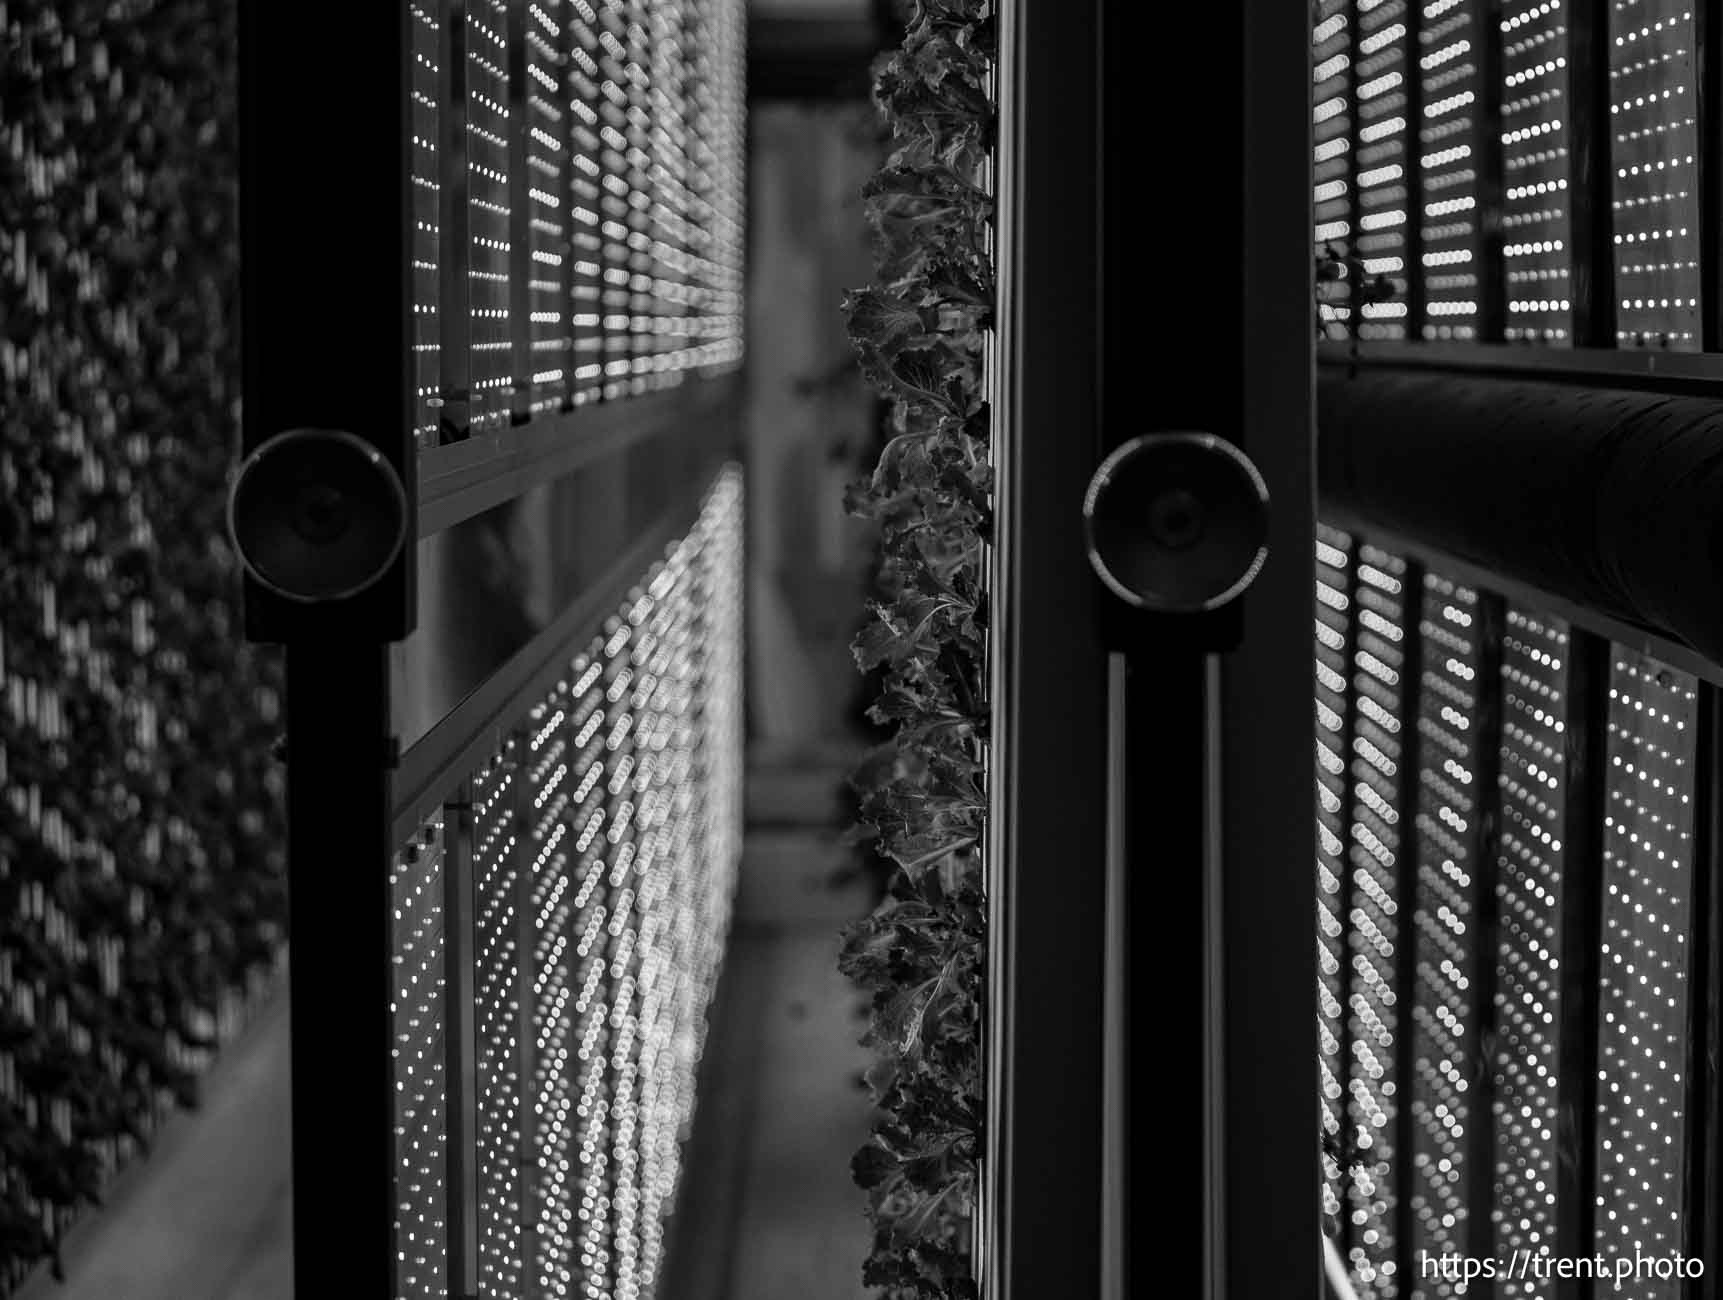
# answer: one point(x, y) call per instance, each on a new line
point(142, 891)
point(920, 331)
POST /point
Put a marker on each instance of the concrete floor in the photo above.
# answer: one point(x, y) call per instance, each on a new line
point(209, 1214)
point(769, 1212)
point(801, 1234)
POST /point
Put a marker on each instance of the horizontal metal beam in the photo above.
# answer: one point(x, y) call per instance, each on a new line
point(1527, 596)
point(1610, 500)
point(463, 479)
point(1691, 373)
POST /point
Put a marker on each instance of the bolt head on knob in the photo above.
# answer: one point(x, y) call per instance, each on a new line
point(317, 515)
point(1177, 523)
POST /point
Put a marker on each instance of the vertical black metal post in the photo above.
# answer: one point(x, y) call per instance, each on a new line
point(1268, 960)
point(1218, 764)
point(454, 309)
point(1158, 790)
point(1415, 270)
point(326, 299)
point(1116, 1126)
point(1492, 276)
point(1592, 182)
point(342, 1034)
point(1486, 930)
point(1703, 1234)
point(1046, 928)
point(1585, 761)
point(460, 1047)
point(1406, 952)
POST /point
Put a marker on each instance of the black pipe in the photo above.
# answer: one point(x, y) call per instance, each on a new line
point(1608, 499)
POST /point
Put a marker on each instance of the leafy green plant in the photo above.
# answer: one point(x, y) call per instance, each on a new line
point(919, 331)
point(1344, 286)
point(142, 879)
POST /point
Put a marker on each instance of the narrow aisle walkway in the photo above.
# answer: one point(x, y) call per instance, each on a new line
point(800, 1233)
point(771, 1213)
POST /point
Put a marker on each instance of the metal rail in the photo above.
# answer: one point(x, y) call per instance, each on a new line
point(454, 747)
point(459, 480)
point(1692, 373)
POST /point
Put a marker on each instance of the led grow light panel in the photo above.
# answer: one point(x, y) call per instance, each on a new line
point(1375, 849)
point(1334, 566)
point(489, 204)
point(633, 781)
point(417, 1068)
point(1537, 167)
point(1453, 695)
point(546, 33)
point(426, 178)
point(1450, 133)
point(1643, 971)
point(1537, 714)
point(497, 977)
point(1381, 172)
point(1331, 50)
point(1654, 147)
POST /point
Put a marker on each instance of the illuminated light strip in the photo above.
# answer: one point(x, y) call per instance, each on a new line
point(1450, 104)
point(1449, 137)
point(1654, 139)
point(1533, 783)
point(1382, 157)
point(1532, 13)
point(1377, 130)
point(488, 128)
point(550, 235)
point(417, 1010)
point(1380, 85)
point(1440, 904)
point(426, 185)
point(1536, 159)
point(496, 984)
point(1645, 977)
point(1369, 849)
point(1383, 38)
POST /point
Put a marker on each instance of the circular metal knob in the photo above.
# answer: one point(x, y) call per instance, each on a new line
point(1177, 523)
point(317, 515)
